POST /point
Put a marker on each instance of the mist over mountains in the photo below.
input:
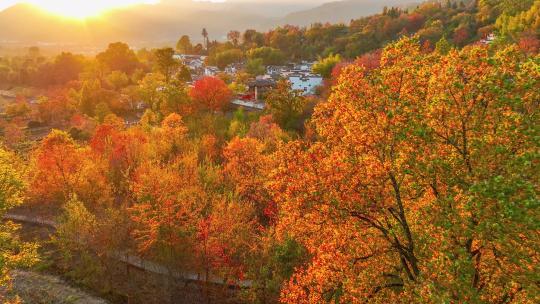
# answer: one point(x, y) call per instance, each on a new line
point(165, 22)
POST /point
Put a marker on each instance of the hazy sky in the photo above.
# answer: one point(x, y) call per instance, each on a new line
point(7, 3)
point(44, 3)
point(77, 8)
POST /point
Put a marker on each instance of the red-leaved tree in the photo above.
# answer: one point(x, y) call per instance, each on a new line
point(211, 93)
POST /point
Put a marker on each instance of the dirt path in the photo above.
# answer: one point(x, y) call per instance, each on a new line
point(36, 288)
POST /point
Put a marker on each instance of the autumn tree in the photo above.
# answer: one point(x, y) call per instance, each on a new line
point(443, 46)
point(268, 132)
point(91, 94)
point(66, 67)
point(271, 265)
point(170, 137)
point(211, 93)
point(224, 241)
point(117, 80)
point(75, 237)
point(184, 45)
point(14, 253)
point(247, 168)
point(169, 204)
point(252, 39)
point(234, 37)
point(398, 199)
point(18, 109)
point(119, 57)
point(120, 151)
point(56, 172)
point(13, 134)
point(57, 106)
point(467, 108)
point(165, 98)
point(529, 43)
point(461, 36)
point(184, 75)
point(151, 90)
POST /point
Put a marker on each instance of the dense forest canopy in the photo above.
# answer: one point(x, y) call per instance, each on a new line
point(411, 176)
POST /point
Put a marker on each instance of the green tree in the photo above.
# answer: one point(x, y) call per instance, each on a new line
point(252, 39)
point(76, 239)
point(268, 55)
point(89, 96)
point(165, 63)
point(205, 38)
point(223, 59)
point(184, 74)
point(255, 67)
point(325, 66)
point(443, 46)
point(272, 265)
point(286, 105)
point(101, 111)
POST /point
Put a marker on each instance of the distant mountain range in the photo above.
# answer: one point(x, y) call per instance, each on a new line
point(165, 22)
point(341, 11)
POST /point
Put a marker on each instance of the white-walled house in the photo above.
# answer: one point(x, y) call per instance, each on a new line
point(194, 62)
point(307, 83)
point(233, 69)
point(304, 66)
point(211, 71)
point(275, 70)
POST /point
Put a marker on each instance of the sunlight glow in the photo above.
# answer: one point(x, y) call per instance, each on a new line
point(81, 9)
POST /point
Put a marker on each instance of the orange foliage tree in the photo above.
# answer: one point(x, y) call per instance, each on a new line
point(62, 169)
point(170, 138)
point(168, 205)
point(421, 185)
point(268, 132)
point(224, 239)
point(121, 150)
point(247, 168)
point(57, 166)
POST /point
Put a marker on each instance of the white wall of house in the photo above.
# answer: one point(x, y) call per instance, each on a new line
point(210, 71)
point(305, 83)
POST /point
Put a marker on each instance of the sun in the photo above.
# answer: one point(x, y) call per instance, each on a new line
point(82, 9)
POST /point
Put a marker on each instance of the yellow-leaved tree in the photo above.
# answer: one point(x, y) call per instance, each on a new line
point(13, 252)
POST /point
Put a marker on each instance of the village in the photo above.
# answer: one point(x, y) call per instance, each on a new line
point(251, 96)
point(299, 75)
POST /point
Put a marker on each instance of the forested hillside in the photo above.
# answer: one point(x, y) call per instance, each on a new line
point(410, 176)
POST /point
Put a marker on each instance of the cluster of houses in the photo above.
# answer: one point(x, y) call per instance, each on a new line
point(195, 63)
point(300, 76)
